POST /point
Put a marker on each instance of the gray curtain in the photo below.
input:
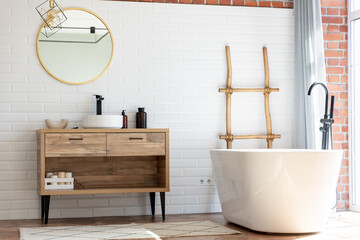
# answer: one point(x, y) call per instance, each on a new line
point(309, 68)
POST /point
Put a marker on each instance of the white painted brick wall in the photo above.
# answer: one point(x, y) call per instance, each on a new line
point(168, 58)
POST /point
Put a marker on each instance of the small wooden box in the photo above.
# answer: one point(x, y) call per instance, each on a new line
point(48, 182)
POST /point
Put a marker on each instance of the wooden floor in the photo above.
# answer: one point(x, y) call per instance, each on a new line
point(346, 225)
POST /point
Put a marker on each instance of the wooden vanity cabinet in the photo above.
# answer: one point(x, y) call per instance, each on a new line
point(105, 161)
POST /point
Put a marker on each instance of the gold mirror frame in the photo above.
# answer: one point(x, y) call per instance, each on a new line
point(61, 80)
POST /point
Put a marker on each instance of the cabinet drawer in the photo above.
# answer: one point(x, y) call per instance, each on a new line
point(75, 145)
point(135, 144)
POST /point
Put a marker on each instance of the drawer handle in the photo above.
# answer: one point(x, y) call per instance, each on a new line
point(76, 139)
point(134, 138)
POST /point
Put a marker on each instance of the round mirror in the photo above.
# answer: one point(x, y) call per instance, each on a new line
point(79, 51)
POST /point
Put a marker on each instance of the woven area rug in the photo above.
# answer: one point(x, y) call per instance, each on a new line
point(127, 231)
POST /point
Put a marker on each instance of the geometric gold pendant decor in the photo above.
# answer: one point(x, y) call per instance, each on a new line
point(52, 15)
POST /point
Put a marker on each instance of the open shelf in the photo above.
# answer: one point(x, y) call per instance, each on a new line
point(105, 173)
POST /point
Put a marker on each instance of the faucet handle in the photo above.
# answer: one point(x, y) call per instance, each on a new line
point(98, 97)
point(332, 106)
point(327, 120)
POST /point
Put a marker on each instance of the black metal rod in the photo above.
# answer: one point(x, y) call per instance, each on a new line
point(42, 207)
point(332, 106)
point(324, 138)
point(162, 200)
point(98, 108)
point(331, 138)
point(47, 206)
point(152, 203)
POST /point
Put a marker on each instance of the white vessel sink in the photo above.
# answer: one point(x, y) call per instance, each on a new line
point(103, 121)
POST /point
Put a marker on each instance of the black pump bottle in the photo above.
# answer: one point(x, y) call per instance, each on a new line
point(125, 119)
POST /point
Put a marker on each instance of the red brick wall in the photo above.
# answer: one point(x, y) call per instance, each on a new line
point(334, 17)
point(335, 29)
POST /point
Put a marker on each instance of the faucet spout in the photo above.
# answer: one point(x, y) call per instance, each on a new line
point(326, 96)
point(327, 122)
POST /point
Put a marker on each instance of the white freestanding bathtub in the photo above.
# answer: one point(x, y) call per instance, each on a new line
point(277, 191)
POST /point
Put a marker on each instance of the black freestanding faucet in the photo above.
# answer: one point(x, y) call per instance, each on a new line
point(99, 99)
point(328, 120)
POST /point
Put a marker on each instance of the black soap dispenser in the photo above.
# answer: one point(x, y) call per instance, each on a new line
point(125, 119)
point(141, 118)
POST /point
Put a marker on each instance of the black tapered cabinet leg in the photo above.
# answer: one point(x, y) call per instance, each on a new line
point(46, 207)
point(152, 202)
point(42, 207)
point(162, 199)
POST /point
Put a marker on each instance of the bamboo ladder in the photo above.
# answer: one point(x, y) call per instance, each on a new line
point(229, 138)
